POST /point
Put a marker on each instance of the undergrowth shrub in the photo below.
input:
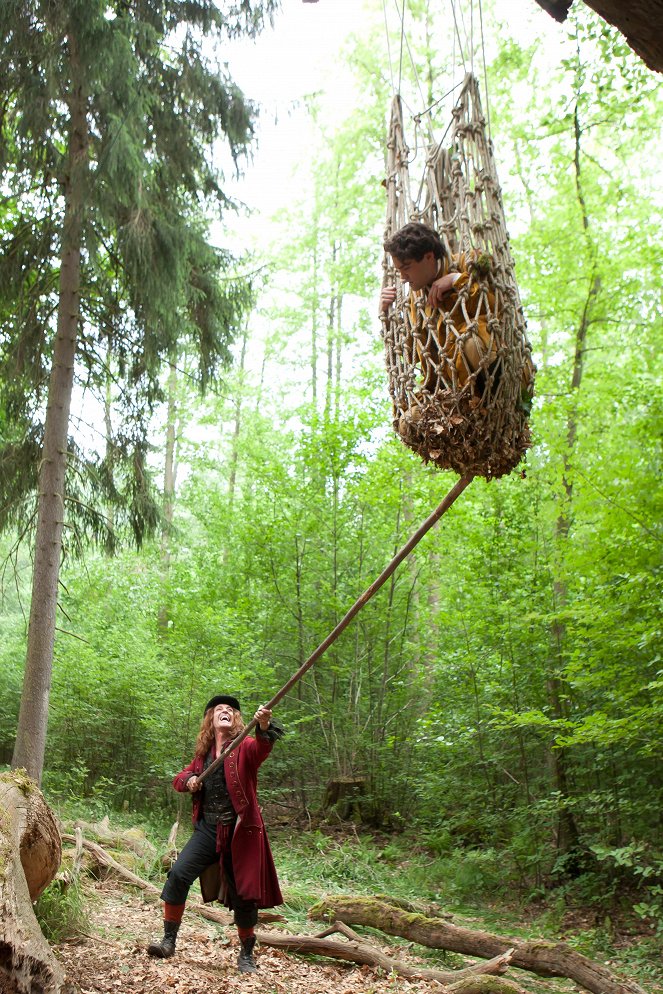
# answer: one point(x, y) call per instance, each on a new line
point(469, 873)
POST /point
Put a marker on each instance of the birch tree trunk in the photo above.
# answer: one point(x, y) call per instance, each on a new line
point(567, 830)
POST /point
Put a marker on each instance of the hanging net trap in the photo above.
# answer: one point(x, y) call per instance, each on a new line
point(461, 375)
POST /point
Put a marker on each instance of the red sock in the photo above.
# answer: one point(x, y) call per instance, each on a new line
point(245, 933)
point(173, 912)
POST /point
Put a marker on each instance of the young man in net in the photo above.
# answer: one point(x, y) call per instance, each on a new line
point(437, 283)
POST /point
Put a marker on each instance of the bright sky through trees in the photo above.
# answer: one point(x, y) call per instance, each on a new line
point(302, 55)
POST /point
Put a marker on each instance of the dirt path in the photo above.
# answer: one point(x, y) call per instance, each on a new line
point(111, 958)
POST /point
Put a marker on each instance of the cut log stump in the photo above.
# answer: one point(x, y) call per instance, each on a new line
point(344, 796)
point(30, 853)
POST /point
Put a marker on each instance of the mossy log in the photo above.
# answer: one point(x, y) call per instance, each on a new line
point(547, 959)
point(30, 853)
point(482, 977)
point(428, 908)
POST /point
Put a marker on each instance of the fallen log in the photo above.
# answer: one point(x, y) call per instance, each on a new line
point(545, 958)
point(130, 838)
point(358, 950)
point(30, 854)
point(104, 859)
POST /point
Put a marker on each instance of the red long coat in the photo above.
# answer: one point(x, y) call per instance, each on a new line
point(253, 865)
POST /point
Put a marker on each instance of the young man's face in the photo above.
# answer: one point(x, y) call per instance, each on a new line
point(417, 273)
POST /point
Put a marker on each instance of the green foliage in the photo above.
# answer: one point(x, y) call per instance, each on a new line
point(643, 865)
point(437, 701)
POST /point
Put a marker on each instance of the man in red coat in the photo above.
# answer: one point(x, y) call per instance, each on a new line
point(229, 849)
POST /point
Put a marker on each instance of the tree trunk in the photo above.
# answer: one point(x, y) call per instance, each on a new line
point(33, 717)
point(30, 853)
point(344, 796)
point(237, 427)
point(547, 959)
point(640, 21)
point(169, 475)
point(568, 837)
point(110, 447)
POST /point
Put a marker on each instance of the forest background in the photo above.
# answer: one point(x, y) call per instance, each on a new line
point(501, 699)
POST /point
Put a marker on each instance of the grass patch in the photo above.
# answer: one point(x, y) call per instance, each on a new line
point(61, 911)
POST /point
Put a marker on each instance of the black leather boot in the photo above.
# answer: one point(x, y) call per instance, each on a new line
point(166, 948)
point(245, 962)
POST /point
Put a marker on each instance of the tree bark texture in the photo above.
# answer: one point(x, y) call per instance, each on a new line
point(33, 716)
point(545, 958)
point(640, 21)
point(30, 853)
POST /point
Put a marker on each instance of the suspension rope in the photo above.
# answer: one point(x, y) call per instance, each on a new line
point(438, 101)
point(400, 60)
point(457, 28)
point(386, 31)
point(466, 53)
point(485, 73)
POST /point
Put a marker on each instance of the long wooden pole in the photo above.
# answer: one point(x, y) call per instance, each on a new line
point(432, 519)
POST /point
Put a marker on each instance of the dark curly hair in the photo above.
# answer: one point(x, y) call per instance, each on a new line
point(413, 241)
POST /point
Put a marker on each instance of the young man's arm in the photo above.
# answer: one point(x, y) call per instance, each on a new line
point(387, 298)
point(441, 287)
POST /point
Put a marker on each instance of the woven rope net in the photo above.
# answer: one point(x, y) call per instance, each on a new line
point(461, 379)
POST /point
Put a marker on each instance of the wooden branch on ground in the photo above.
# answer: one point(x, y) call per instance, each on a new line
point(358, 950)
point(30, 853)
point(68, 877)
point(547, 959)
point(130, 838)
point(104, 859)
point(170, 855)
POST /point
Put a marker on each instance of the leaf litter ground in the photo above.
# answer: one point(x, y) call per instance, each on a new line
point(112, 957)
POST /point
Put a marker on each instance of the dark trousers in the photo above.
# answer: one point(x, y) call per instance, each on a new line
point(199, 853)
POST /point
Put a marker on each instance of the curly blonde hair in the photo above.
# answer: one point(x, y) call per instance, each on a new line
point(206, 734)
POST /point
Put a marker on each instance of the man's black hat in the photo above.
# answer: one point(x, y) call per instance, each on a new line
point(222, 699)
